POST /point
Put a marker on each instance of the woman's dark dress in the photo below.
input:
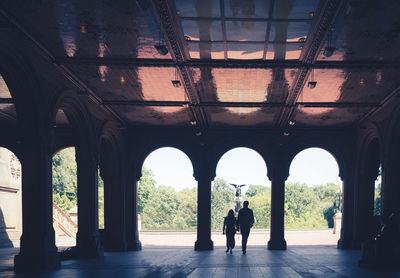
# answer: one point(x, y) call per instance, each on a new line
point(230, 226)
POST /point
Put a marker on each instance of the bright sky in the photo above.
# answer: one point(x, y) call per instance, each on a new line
point(242, 166)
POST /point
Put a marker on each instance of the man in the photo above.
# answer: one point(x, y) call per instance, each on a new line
point(246, 221)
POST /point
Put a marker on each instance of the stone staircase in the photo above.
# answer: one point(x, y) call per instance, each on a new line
point(62, 223)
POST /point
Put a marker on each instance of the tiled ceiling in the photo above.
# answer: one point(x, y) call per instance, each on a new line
point(223, 63)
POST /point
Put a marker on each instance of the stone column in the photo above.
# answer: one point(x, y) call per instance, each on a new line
point(87, 238)
point(277, 237)
point(114, 211)
point(204, 177)
point(346, 233)
point(131, 211)
point(364, 210)
point(38, 250)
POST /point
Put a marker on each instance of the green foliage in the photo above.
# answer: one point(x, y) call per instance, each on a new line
point(378, 200)
point(64, 179)
point(261, 205)
point(221, 202)
point(146, 186)
point(255, 190)
point(310, 207)
point(65, 183)
point(163, 208)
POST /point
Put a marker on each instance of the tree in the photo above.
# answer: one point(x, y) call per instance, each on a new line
point(255, 190)
point(64, 179)
point(261, 205)
point(186, 217)
point(221, 201)
point(160, 209)
point(146, 186)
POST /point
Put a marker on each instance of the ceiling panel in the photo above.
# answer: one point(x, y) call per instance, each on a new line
point(284, 51)
point(153, 115)
point(243, 85)
point(351, 85)
point(92, 28)
point(140, 83)
point(8, 114)
point(245, 51)
point(241, 116)
point(246, 30)
point(294, 9)
point(195, 8)
point(289, 31)
point(247, 9)
point(365, 30)
point(206, 50)
point(311, 116)
point(202, 30)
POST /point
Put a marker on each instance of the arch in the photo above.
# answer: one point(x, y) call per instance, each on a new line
point(264, 155)
point(19, 75)
point(317, 142)
point(11, 193)
point(147, 151)
point(311, 148)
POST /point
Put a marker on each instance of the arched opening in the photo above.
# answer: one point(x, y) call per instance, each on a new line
point(8, 113)
point(65, 197)
point(167, 199)
point(377, 193)
point(10, 199)
point(313, 199)
point(246, 169)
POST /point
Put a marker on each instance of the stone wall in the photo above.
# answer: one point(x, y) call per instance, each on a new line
point(10, 199)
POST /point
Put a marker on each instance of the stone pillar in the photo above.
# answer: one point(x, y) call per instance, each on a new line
point(277, 237)
point(38, 250)
point(131, 212)
point(337, 222)
point(88, 243)
point(204, 177)
point(346, 233)
point(364, 210)
point(114, 212)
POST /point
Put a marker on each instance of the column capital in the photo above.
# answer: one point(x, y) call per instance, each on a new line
point(278, 174)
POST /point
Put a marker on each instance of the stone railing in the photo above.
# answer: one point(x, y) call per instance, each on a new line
point(63, 222)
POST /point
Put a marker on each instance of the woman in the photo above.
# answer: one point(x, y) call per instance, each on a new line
point(230, 230)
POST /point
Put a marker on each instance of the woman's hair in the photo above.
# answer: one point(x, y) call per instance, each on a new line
point(231, 213)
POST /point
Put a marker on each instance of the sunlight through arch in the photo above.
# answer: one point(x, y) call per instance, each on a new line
point(167, 199)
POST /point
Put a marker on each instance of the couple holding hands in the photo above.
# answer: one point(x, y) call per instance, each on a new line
point(243, 224)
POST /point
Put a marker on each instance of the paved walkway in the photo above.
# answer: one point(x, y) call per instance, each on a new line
point(257, 238)
point(298, 261)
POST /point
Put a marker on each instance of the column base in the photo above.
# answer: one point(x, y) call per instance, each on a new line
point(277, 244)
point(345, 244)
point(134, 245)
point(203, 245)
point(36, 261)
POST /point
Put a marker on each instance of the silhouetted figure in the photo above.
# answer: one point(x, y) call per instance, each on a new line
point(245, 221)
point(230, 226)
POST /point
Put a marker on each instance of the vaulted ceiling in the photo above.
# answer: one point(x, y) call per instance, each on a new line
point(210, 63)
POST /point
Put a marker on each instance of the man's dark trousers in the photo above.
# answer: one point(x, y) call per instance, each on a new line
point(245, 231)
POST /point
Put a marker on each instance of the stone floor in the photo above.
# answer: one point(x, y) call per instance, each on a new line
point(297, 261)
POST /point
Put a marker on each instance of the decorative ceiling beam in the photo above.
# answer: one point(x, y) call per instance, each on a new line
point(244, 64)
point(320, 28)
point(6, 100)
point(241, 104)
point(391, 97)
point(167, 17)
point(63, 69)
